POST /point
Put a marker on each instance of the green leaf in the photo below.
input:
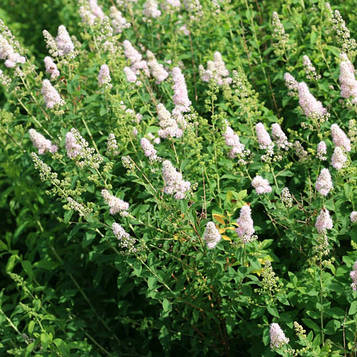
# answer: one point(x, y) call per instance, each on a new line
point(353, 308)
point(273, 311)
point(166, 305)
point(30, 327)
point(151, 282)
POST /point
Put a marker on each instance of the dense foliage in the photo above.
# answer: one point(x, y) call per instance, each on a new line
point(178, 177)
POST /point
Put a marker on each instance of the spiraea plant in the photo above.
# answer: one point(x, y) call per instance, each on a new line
point(183, 174)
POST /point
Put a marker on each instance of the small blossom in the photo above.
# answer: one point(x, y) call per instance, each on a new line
point(299, 150)
point(216, 70)
point(211, 235)
point(347, 79)
point(184, 30)
point(232, 140)
point(112, 145)
point(96, 9)
point(340, 138)
point(51, 67)
point(149, 149)
point(308, 103)
point(76, 206)
point(338, 158)
point(119, 23)
point(168, 124)
point(151, 9)
point(125, 241)
point(104, 75)
point(245, 223)
point(353, 216)
point(116, 204)
point(261, 185)
point(180, 97)
point(277, 336)
point(310, 70)
point(322, 151)
point(353, 275)
point(51, 44)
point(280, 137)
point(77, 149)
point(63, 41)
point(324, 182)
point(50, 95)
point(286, 197)
point(157, 70)
point(41, 143)
point(119, 231)
point(291, 83)
point(73, 148)
point(263, 137)
point(173, 181)
point(8, 53)
point(131, 53)
point(323, 221)
point(130, 75)
point(280, 37)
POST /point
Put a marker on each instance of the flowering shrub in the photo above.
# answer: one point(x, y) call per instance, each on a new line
point(183, 174)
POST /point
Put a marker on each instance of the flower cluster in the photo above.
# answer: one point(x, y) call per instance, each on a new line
point(8, 53)
point(149, 149)
point(339, 137)
point(263, 137)
point(343, 33)
point(211, 235)
point(173, 181)
point(347, 79)
point(50, 95)
point(353, 216)
point(64, 43)
point(216, 71)
point(112, 145)
point(308, 103)
point(157, 70)
point(261, 185)
point(119, 22)
point(245, 223)
point(277, 336)
point(322, 151)
point(116, 204)
point(180, 98)
point(280, 137)
point(324, 182)
point(41, 143)
point(77, 148)
point(125, 241)
point(232, 140)
point(51, 67)
point(104, 75)
point(169, 126)
point(82, 210)
point(323, 221)
point(310, 70)
point(286, 197)
point(136, 60)
point(291, 83)
point(338, 158)
point(280, 37)
point(151, 9)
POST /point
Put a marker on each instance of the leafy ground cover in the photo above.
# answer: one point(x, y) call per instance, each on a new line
point(178, 177)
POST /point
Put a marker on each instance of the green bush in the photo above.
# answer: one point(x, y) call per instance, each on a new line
point(182, 270)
